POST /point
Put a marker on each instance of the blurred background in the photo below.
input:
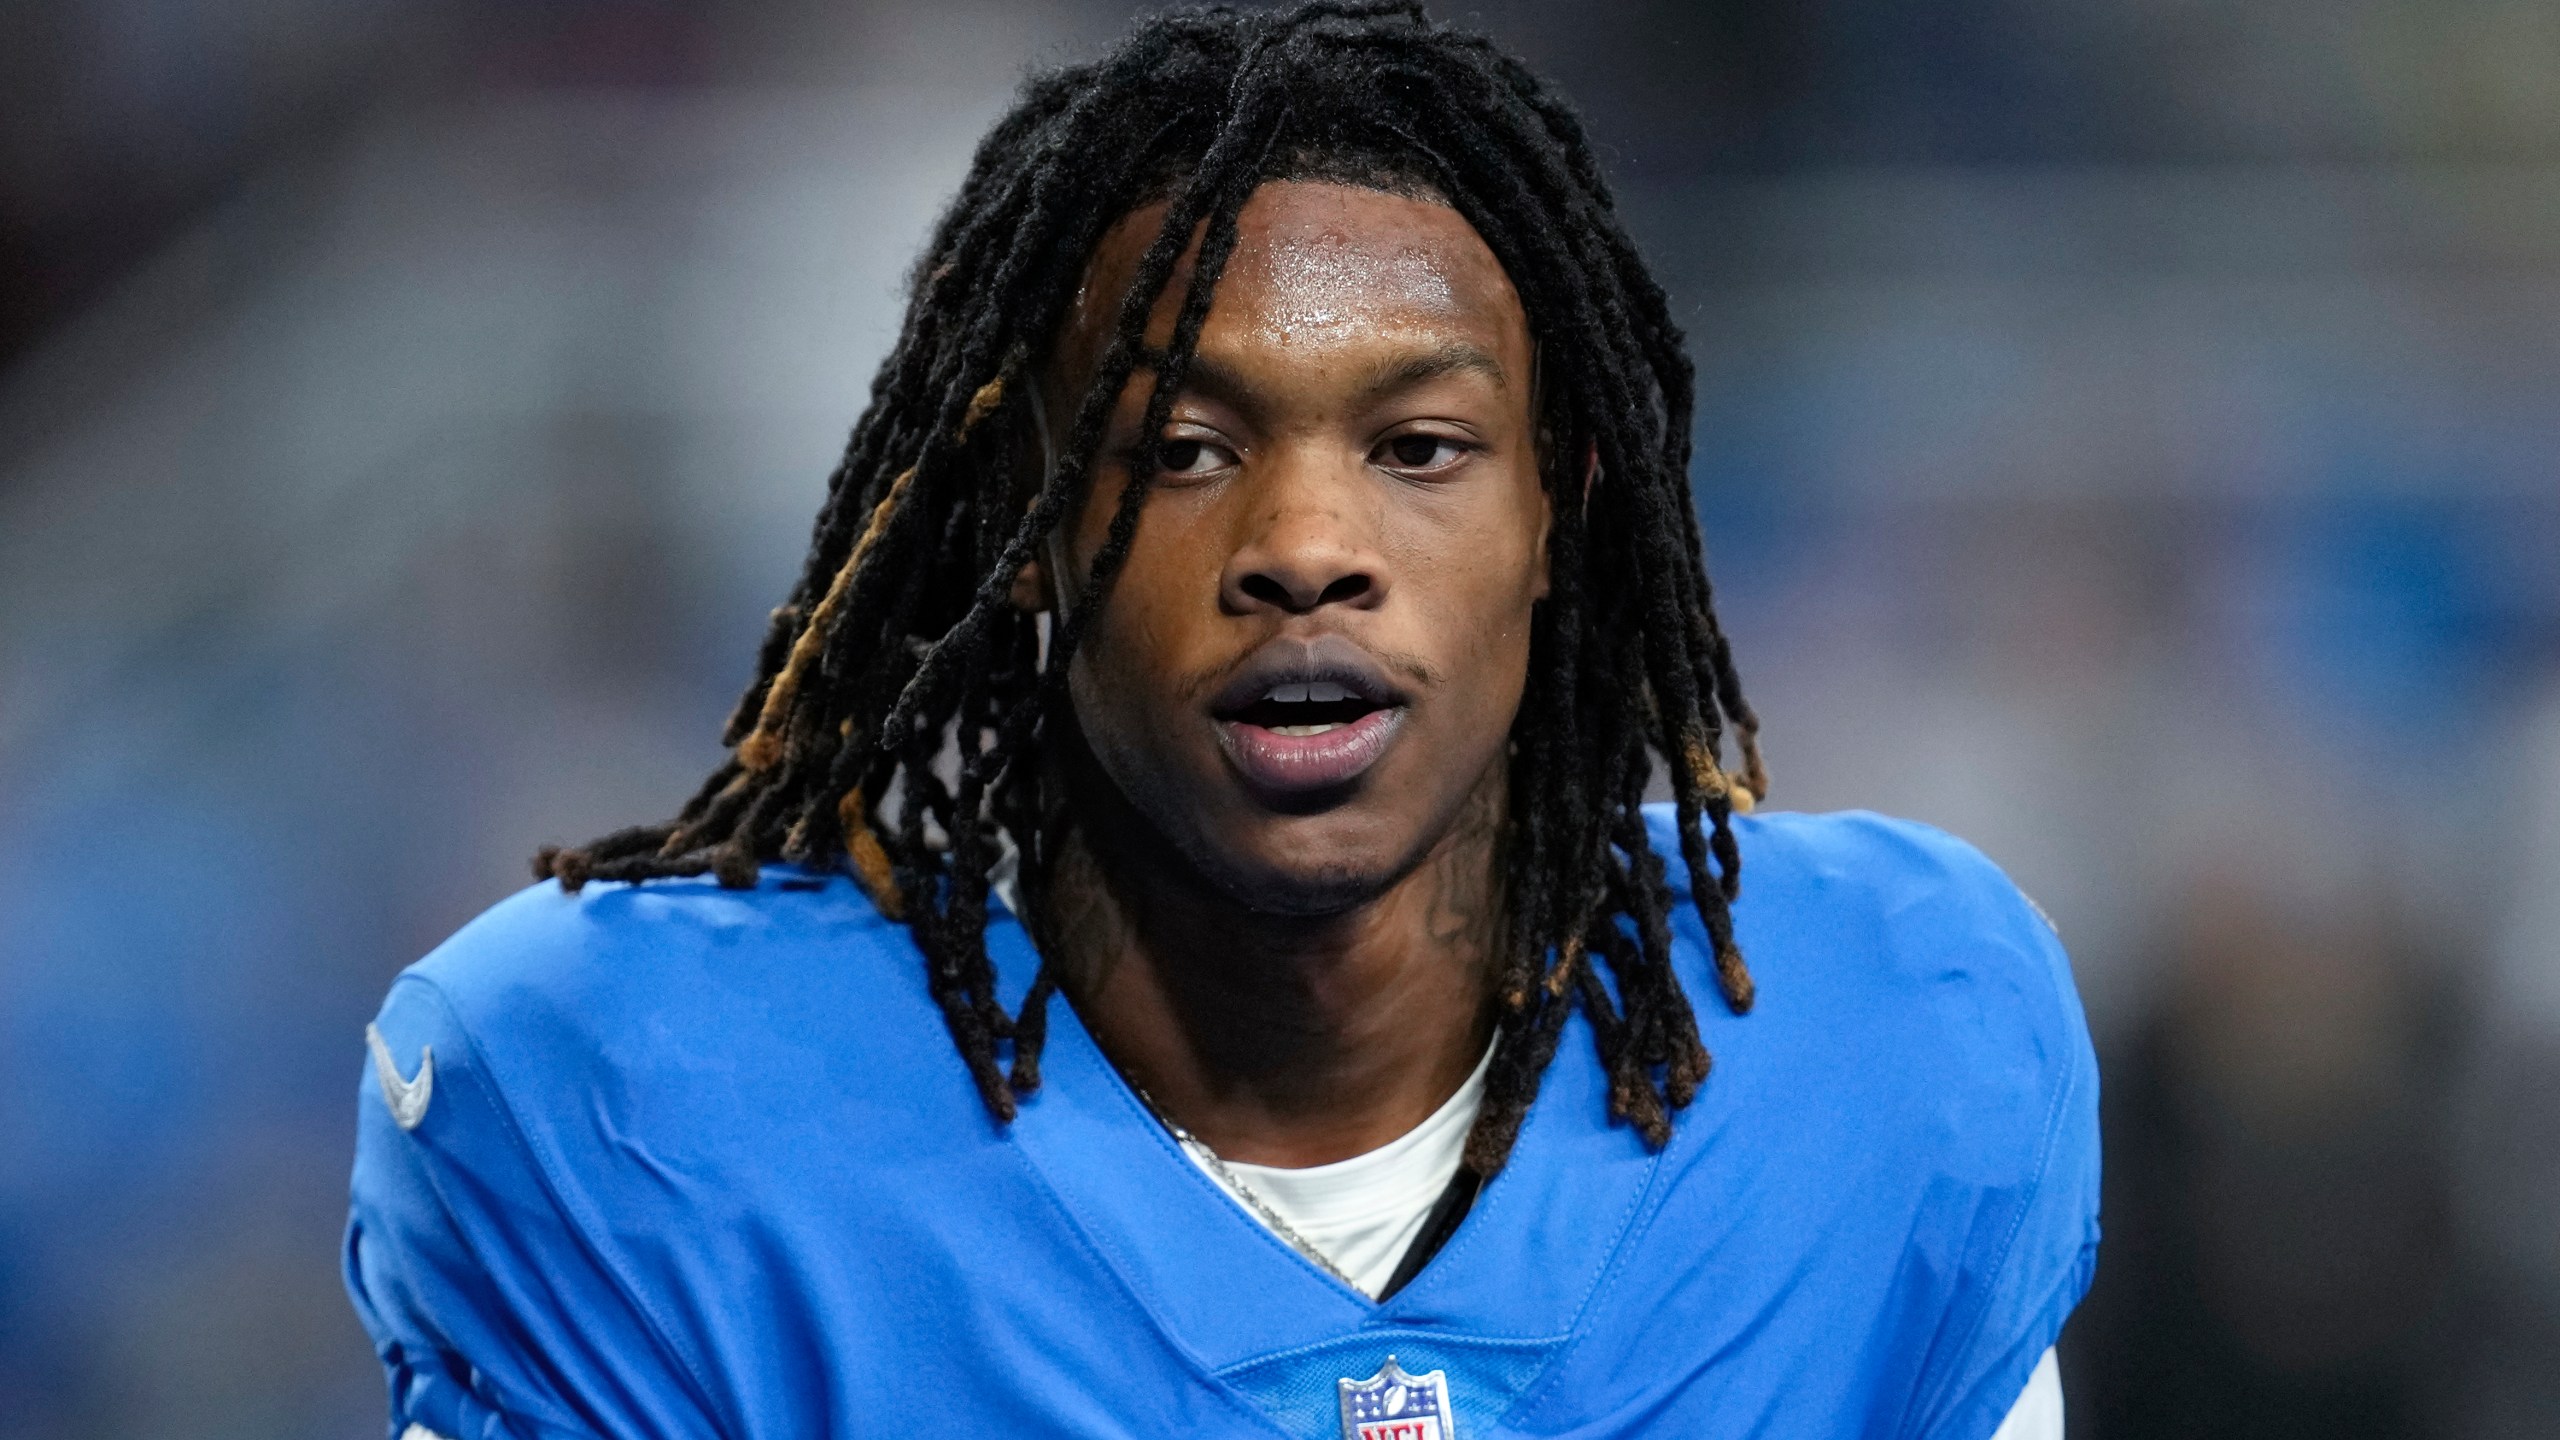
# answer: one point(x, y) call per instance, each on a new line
point(2127, 439)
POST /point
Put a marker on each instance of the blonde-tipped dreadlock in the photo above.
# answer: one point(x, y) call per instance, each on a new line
point(764, 745)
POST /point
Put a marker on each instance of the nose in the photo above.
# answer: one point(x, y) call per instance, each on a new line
point(1307, 543)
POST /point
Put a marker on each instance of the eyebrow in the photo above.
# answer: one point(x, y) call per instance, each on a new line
point(1453, 358)
point(1221, 383)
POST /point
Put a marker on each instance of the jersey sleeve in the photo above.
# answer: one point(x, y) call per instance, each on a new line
point(494, 1311)
point(2022, 1210)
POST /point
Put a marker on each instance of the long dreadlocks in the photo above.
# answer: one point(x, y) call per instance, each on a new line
point(898, 649)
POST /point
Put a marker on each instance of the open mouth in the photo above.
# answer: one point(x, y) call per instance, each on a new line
point(1299, 710)
point(1301, 736)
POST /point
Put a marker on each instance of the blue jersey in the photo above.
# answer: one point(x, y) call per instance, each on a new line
point(669, 1160)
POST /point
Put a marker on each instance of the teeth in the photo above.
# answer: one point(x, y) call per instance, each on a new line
point(1301, 732)
point(1321, 692)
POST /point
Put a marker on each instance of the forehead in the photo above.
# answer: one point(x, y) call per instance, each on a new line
point(1317, 265)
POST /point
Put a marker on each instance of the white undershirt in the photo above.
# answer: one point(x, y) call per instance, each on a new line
point(1363, 1213)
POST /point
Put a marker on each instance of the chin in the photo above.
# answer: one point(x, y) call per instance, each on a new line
point(1309, 865)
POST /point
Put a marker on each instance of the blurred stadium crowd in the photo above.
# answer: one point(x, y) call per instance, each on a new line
point(2127, 438)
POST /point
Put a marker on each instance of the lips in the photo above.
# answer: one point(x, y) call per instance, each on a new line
point(1337, 755)
point(1306, 715)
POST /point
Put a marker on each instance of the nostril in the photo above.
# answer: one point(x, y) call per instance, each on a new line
point(1269, 591)
point(1265, 588)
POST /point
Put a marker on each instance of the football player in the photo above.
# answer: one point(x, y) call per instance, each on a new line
point(1178, 946)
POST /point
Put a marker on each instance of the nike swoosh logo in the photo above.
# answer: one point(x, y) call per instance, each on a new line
point(407, 1098)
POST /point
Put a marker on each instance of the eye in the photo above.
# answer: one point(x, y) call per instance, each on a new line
point(1182, 456)
point(1420, 451)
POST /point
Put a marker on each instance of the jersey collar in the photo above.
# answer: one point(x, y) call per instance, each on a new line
point(1520, 1271)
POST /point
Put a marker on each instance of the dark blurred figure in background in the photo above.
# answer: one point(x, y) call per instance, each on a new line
point(2177, 384)
point(2286, 1256)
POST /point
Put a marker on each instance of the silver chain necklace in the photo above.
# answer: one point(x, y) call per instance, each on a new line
point(1235, 1185)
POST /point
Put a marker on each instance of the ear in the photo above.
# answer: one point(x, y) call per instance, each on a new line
point(1544, 581)
point(1547, 516)
point(1031, 593)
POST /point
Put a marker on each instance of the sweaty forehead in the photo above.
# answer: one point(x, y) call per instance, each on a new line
point(1317, 263)
point(1318, 257)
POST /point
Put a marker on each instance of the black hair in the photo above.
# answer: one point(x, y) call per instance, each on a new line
point(895, 724)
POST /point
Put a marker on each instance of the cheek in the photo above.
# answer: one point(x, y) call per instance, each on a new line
point(1138, 653)
point(1476, 585)
point(1485, 568)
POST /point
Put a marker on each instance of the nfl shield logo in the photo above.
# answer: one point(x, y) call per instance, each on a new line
point(1392, 1405)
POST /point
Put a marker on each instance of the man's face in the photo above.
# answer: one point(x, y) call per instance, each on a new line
point(1315, 651)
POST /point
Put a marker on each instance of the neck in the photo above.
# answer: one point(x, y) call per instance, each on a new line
point(1285, 1039)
